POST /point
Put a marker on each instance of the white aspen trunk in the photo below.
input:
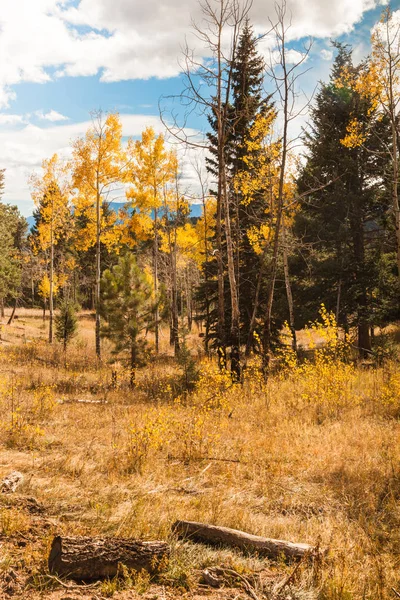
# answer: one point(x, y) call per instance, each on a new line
point(98, 273)
point(51, 293)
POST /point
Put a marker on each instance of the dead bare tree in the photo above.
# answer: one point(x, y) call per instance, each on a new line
point(285, 77)
point(284, 74)
point(221, 21)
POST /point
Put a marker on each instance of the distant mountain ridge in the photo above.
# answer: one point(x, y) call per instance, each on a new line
point(195, 211)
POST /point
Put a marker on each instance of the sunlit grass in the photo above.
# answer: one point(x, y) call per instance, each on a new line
point(312, 455)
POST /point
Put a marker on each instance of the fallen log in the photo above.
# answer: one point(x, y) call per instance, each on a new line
point(211, 534)
point(85, 558)
point(10, 483)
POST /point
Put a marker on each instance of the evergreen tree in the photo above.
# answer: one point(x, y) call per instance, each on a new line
point(340, 225)
point(12, 236)
point(128, 308)
point(66, 323)
point(246, 103)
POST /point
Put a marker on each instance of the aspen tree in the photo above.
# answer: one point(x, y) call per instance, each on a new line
point(51, 194)
point(153, 167)
point(99, 166)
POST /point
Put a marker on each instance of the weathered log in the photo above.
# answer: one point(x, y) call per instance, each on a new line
point(85, 558)
point(211, 534)
point(10, 483)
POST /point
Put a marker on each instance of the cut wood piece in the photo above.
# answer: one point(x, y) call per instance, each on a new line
point(11, 482)
point(85, 558)
point(211, 534)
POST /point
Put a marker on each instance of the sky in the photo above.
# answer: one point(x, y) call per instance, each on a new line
point(62, 59)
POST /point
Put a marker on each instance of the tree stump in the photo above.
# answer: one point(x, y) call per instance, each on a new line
point(85, 558)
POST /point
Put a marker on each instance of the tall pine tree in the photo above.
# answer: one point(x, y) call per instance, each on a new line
point(247, 102)
point(340, 225)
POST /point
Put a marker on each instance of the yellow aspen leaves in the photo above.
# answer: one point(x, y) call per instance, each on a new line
point(151, 168)
point(51, 195)
point(99, 166)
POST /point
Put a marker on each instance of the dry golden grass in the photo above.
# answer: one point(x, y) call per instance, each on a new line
point(312, 456)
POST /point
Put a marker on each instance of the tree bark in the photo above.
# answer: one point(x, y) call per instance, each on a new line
point(155, 275)
point(288, 286)
point(85, 558)
point(223, 192)
point(266, 342)
point(189, 300)
point(33, 290)
point(51, 293)
point(235, 318)
point(393, 62)
point(11, 319)
point(98, 274)
point(133, 365)
point(206, 258)
point(175, 316)
point(211, 534)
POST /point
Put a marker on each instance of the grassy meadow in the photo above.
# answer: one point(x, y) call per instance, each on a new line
point(312, 455)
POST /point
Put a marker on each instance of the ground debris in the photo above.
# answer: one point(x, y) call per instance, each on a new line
point(10, 582)
point(10, 483)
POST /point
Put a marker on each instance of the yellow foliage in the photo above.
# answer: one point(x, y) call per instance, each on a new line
point(51, 194)
point(44, 286)
point(379, 80)
point(259, 236)
point(262, 159)
point(99, 165)
point(152, 167)
point(324, 382)
point(355, 135)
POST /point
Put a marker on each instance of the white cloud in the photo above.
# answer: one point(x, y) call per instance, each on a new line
point(326, 54)
point(52, 116)
point(119, 39)
point(11, 119)
point(125, 39)
point(23, 150)
point(292, 57)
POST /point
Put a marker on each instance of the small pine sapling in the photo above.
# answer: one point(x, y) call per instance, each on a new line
point(66, 323)
point(128, 309)
point(188, 365)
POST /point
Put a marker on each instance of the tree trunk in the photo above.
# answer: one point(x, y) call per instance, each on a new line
point(338, 300)
point(189, 301)
point(275, 252)
point(2, 308)
point(395, 195)
point(85, 558)
point(51, 293)
point(155, 275)
point(364, 339)
point(221, 121)
point(11, 319)
point(235, 318)
point(133, 365)
point(288, 286)
point(171, 323)
point(33, 290)
point(206, 258)
point(210, 534)
point(98, 275)
point(175, 316)
point(260, 275)
point(357, 225)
